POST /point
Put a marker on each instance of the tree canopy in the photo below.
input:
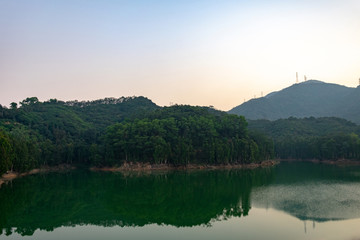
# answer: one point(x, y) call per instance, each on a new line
point(312, 138)
point(111, 131)
point(183, 134)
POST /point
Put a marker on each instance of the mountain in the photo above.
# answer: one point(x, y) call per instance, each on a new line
point(308, 99)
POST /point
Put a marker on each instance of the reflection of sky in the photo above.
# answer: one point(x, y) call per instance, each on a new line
point(195, 52)
point(318, 201)
point(260, 224)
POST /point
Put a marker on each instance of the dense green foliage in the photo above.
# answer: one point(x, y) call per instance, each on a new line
point(5, 152)
point(111, 131)
point(182, 134)
point(312, 138)
point(56, 132)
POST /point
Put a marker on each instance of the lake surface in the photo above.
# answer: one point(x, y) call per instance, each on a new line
point(288, 201)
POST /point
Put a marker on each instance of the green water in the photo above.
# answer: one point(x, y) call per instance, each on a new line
point(288, 201)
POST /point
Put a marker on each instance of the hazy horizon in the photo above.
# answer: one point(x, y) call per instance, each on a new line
point(185, 52)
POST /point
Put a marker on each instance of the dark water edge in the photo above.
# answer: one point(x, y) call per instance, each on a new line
point(178, 200)
point(135, 168)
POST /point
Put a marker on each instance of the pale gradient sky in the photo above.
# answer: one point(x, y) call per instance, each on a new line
point(198, 52)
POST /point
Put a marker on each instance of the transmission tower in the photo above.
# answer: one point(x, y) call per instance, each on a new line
point(297, 77)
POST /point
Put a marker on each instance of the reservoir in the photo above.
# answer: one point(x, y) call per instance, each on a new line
point(298, 200)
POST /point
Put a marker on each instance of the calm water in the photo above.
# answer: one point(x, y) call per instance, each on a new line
point(288, 201)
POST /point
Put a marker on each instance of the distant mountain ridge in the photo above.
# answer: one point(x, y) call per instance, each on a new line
point(307, 99)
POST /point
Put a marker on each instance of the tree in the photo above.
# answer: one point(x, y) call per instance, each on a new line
point(180, 135)
point(13, 105)
point(5, 153)
point(29, 101)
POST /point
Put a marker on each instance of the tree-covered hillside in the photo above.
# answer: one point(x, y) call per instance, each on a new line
point(312, 138)
point(112, 131)
point(305, 127)
point(183, 134)
point(55, 132)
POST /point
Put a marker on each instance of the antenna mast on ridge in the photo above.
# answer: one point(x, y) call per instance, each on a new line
point(297, 77)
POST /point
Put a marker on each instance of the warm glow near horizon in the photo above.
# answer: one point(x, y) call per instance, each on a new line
point(187, 52)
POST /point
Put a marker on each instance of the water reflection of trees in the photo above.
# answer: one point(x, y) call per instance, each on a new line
point(315, 192)
point(106, 199)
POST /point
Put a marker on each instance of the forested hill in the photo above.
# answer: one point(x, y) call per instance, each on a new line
point(308, 99)
point(304, 127)
point(112, 131)
point(312, 138)
point(77, 115)
point(54, 132)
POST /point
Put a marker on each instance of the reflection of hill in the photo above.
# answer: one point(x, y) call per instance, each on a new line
point(307, 191)
point(312, 192)
point(106, 199)
point(319, 202)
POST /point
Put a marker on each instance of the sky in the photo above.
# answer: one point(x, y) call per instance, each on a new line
point(197, 52)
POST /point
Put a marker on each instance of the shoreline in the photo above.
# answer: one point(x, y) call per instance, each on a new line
point(135, 167)
point(339, 162)
point(145, 167)
point(9, 176)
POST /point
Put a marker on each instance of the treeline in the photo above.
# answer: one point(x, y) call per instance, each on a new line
point(332, 147)
point(111, 131)
point(56, 132)
point(312, 138)
point(18, 151)
point(181, 135)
